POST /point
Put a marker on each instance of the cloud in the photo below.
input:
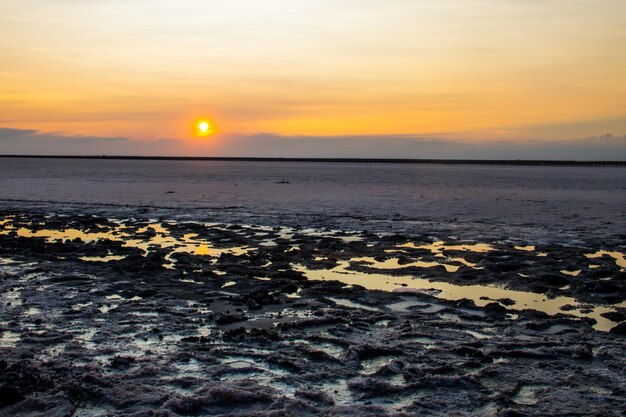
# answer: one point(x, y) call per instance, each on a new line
point(604, 147)
point(9, 134)
point(32, 142)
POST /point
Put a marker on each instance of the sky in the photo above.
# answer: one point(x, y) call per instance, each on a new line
point(539, 79)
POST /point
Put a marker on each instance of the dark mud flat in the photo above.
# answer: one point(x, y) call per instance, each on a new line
point(149, 317)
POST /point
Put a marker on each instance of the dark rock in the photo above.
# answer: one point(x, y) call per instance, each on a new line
point(506, 301)
point(221, 318)
point(10, 395)
point(615, 316)
point(555, 279)
point(315, 396)
point(372, 387)
point(620, 329)
point(57, 405)
point(122, 362)
point(495, 310)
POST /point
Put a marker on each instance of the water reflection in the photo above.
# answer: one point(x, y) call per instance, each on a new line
point(158, 236)
point(147, 238)
point(394, 263)
point(620, 259)
point(439, 247)
point(105, 259)
point(481, 295)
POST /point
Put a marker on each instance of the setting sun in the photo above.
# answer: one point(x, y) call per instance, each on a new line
point(204, 128)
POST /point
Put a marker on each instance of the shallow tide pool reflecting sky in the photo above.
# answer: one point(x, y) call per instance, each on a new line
point(158, 235)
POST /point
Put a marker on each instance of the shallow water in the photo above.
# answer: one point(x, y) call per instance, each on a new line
point(481, 295)
point(620, 258)
point(131, 239)
point(159, 235)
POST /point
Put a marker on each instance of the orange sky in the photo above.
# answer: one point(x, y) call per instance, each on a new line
point(473, 70)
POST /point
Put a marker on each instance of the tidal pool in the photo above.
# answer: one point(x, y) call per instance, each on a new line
point(481, 295)
point(159, 235)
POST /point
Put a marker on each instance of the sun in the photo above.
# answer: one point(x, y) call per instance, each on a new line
point(204, 128)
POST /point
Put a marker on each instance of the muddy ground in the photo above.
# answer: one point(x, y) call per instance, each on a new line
point(139, 315)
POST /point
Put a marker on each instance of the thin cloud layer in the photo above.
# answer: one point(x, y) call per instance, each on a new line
point(33, 142)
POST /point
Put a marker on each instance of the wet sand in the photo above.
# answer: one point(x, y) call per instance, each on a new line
point(542, 202)
point(177, 307)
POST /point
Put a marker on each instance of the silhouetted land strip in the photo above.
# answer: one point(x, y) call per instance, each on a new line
point(335, 160)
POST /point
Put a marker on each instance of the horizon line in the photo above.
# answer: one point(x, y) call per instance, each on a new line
point(335, 160)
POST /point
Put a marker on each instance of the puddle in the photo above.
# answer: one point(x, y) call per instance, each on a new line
point(106, 308)
point(55, 350)
point(118, 297)
point(236, 363)
point(190, 281)
point(393, 263)
point(13, 297)
point(478, 335)
point(64, 235)
point(87, 335)
point(352, 304)
point(88, 410)
point(206, 331)
point(348, 239)
point(556, 328)
point(329, 348)
point(294, 295)
point(571, 273)
point(9, 339)
point(156, 236)
point(528, 394)
point(109, 258)
point(404, 306)
point(440, 246)
point(32, 312)
point(7, 261)
point(620, 258)
point(144, 313)
point(371, 365)
point(476, 293)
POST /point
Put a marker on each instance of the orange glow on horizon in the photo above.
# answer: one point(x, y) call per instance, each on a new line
point(511, 71)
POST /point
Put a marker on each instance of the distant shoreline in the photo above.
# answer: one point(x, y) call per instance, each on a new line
point(521, 162)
